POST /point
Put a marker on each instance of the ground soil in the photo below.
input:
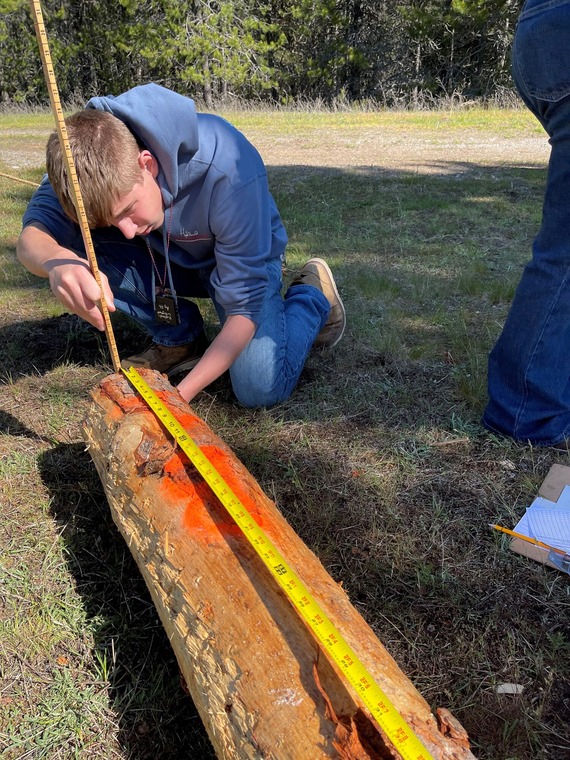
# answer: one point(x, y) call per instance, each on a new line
point(399, 151)
point(386, 149)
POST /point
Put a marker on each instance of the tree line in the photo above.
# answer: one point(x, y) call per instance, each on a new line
point(275, 51)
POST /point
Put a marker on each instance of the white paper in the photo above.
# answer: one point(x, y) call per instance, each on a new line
point(548, 521)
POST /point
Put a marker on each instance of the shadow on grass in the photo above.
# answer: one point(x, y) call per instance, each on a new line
point(156, 718)
point(9, 425)
point(34, 347)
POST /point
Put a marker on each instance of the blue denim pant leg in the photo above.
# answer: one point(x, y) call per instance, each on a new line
point(529, 367)
point(128, 266)
point(268, 369)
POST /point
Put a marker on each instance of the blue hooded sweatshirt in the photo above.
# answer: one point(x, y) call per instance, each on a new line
point(223, 214)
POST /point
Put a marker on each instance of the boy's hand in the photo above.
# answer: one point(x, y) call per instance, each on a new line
point(74, 286)
point(222, 353)
point(69, 275)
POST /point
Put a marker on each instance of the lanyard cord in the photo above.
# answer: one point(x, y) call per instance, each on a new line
point(162, 280)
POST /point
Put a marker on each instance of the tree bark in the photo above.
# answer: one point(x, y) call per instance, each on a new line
point(253, 668)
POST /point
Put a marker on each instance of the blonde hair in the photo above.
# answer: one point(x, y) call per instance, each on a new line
point(106, 157)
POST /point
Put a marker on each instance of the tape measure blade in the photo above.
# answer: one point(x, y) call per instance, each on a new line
point(372, 696)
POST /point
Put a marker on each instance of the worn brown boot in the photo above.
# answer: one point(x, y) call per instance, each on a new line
point(317, 273)
point(169, 359)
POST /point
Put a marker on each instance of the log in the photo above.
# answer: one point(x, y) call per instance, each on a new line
point(254, 669)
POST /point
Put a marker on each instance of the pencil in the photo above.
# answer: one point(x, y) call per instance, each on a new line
point(529, 540)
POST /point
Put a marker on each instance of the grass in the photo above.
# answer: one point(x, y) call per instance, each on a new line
point(378, 460)
point(450, 123)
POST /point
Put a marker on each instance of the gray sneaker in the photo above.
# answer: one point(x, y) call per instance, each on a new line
point(317, 273)
point(169, 360)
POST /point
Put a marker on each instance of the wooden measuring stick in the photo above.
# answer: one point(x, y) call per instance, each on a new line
point(19, 179)
point(70, 165)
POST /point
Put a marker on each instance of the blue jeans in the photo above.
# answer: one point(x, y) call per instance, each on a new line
point(267, 370)
point(529, 367)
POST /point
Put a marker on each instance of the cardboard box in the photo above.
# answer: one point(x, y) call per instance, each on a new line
point(557, 479)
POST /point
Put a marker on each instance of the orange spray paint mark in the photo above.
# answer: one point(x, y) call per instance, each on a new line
point(241, 483)
point(203, 513)
point(239, 480)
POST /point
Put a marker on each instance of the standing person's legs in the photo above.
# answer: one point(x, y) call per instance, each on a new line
point(529, 367)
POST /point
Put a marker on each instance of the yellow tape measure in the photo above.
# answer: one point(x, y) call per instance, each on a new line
point(388, 718)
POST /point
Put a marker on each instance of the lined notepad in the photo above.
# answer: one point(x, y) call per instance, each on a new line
point(548, 521)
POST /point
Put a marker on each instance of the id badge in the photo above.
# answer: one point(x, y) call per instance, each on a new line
point(165, 308)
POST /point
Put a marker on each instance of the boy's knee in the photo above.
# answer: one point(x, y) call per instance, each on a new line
point(254, 395)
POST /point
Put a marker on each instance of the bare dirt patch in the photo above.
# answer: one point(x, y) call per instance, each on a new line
point(381, 147)
point(398, 151)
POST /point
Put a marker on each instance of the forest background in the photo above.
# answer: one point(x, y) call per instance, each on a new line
point(280, 52)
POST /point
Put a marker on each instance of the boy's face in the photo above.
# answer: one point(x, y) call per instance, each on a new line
point(141, 210)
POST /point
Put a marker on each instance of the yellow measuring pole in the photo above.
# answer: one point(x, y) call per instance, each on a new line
point(70, 165)
point(19, 179)
point(388, 718)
